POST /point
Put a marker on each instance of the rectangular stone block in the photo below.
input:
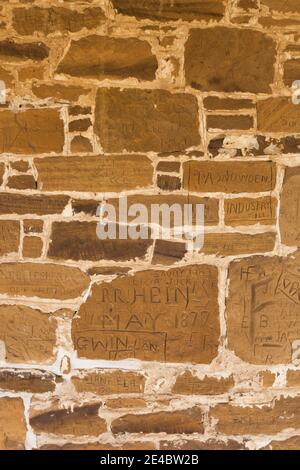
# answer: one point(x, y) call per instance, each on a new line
point(165, 316)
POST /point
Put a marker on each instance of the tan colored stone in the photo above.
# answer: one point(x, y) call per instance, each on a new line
point(12, 203)
point(246, 211)
point(267, 378)
point(81, 144)
point(12, 424)
point(32, 247)
point(166, 316)
point(288, 6)
point(230, 244)
point(218, 59)
point(267, 419)
point(293, 378)
point(291, 71)
point(81, 421)
point(21, 182)
point(210, 444)
point(229, 177)
point(109, 383)
point(185, 422)
point(172, 10)
point(215, 103)
point(289, 218)
point(80, 125)
point(27, 381)
point(189, 384)
point(104, 57)
point(59, 92)
point(278, 114)
point(28, 335)
point(9, 237)
point(234, 121)
point(31, 72)
point(292, 443)
point(47, 281)
point(146, 120)
point(95, 446)
point(79, 241)
point(262, 308)
point(12, 51)
point(119, 403)
point(20, 165)
point(27, 21)
point(46, 131)
point(101, 173)
point(168, 253)
point(33, 226)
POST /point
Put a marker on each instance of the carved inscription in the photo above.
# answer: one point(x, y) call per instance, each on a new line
point(166, 316)
point(51, 281)
point(263, 309)
point(290, 208)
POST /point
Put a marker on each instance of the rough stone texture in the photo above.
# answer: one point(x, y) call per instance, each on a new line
point(28, 335)
point(46, 131)
point(187, 422)
point(153, 343)
point(218, 59)
point(290, 209)
point(146, 120)
point(171, 10)
point(12, 424)
point(166, 316)
point(262, 308)
point(97, 173)
point(104, 57)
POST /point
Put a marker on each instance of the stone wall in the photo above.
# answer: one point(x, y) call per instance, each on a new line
point(140, 344)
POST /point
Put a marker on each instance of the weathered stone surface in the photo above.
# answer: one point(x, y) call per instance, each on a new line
point(210, 444)
point(146, 120)
point(27, 21)
point(47, 281)
point(109, 383)
point(268, 419)
point(189, 384)
point(32, 247)
point(278, 115)
point(168, 183)
point(212, 103)
point(231, 244)
point(229, 177)
point(81, 421)
point(167, 316)
point(168, 252)
point(27, 381)
point(97, 174)
point(33, 226)
point(235, 121)
point(80, 125)
point(293, 378)
point(9, 236)
point(81, 144)
point(218, 59)
point(289, 6)
point(187, 422)
point(105, 57)
point(171, 10)
point(28, 335)
point(246, 211)
point(125, 403)
point(12, 424)
point(95, 446)
point(262, 309)
point(79, 241)
point(293, 443)
point(59, 92)
point(291, 71)
point(11, 51)
point(289, 208)
point(168, 167)
point(20, 165)
point(211, 206)
point(21, 182)
point(12, 203)
point(46, 131)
